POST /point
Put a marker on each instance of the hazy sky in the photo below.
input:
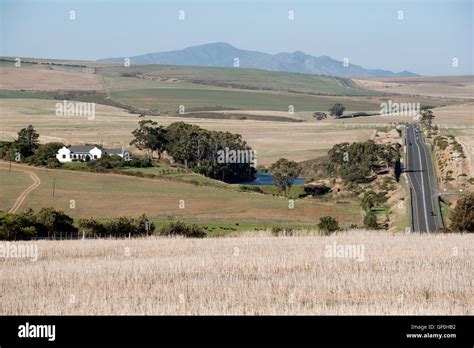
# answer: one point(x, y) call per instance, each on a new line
point(367, 32)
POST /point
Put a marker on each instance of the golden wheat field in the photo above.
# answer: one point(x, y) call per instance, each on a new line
point(254, 274)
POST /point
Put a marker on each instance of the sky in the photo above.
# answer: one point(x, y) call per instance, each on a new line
point(425, 38)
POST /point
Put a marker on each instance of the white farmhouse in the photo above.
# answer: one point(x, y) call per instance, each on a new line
point(88, 153)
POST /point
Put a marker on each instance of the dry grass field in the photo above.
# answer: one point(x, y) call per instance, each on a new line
point(465, 136)
point(272, 140)
point(110, 195)
point(36, 79)
point(113, 127)
point(396, 274)
point(12, 184)
point(460, 115)
point(457, 87)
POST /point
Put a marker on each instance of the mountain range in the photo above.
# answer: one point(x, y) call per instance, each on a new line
point(222, 54)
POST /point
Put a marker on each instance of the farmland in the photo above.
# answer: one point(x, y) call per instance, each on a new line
point(256, 274)
point(47, 80)
point(456, 87)
point(13, 184)
point(198, 88)
point(169, 99)
point(109, 195)
point(252, 79)
point(113, 127)
point(215, 92)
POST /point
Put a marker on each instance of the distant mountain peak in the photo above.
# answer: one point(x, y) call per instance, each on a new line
point(223, 54)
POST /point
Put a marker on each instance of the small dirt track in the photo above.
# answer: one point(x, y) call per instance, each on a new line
point(21, 198)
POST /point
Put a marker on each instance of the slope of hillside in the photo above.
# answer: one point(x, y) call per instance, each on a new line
point(149, 76)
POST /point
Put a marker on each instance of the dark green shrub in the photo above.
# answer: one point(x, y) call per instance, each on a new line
point(370, 221)
point(53, 163)
point(44, 153)
point(179, 228)
point(16, 227)
point(50, 221)
point(282, 231)
point(140, 162)
point(250, 188)
point(328, 224)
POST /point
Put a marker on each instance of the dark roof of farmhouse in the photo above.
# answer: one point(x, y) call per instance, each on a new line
point(86, 149)
point(113, 151)
point(81, 149)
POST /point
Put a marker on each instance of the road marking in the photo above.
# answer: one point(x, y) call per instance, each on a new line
point(423, 188)
point(429, 181)
point(416, 222)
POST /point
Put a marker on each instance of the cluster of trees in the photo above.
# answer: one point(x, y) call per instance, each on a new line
point(27, 149)
point(372, 200)
point(49, 223)
point(194, 147)
point(28, 224)
point(358, 162)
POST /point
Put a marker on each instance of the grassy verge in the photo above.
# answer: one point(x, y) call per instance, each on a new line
point(404, 220)
point(445, 211)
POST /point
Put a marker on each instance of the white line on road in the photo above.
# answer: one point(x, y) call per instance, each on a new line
point(422, 186)
point(433, 205)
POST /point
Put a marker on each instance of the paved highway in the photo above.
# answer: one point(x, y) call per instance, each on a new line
point(426, 216)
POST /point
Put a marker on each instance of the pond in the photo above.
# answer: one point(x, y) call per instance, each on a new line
point(263, 178)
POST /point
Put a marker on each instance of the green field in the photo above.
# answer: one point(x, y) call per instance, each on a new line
point(169, 99)
point(238, 78)
point(202, 88)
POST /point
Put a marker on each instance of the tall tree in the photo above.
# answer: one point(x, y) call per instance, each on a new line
point(148, 136)
point(284, 172)
point(462, 217)
point(337, 109)
point(27, 141)
point(427, 117)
